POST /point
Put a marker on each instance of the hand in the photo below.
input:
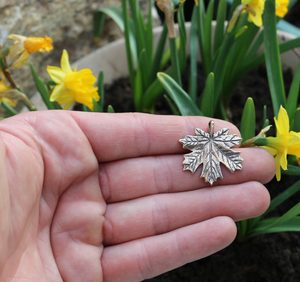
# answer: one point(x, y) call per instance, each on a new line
point(102, 197)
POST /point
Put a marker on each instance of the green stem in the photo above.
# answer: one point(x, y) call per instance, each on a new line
point(31, 107)
point(175, 66)
point(11, 111)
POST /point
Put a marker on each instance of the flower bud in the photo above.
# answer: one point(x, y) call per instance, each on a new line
point(166, 7)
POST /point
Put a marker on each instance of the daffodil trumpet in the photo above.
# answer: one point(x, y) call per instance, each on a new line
point(286, 142)
point(72, 85)
point(22, 47)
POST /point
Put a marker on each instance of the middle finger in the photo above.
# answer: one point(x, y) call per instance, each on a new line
point(137, 177)
point(157, 214)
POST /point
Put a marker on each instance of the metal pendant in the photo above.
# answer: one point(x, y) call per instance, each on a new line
point(211, 149)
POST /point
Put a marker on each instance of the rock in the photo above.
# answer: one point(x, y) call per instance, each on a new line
point(69, 23)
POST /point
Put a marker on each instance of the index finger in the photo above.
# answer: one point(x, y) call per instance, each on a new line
point(128, 135)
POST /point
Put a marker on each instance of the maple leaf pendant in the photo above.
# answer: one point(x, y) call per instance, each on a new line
point(211, 149)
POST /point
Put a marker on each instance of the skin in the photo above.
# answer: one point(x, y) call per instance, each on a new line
point(102, 197)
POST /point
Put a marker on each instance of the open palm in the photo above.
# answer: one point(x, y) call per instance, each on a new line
point(102, 197)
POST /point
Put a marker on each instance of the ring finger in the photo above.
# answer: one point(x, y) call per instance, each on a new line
point(157, 214)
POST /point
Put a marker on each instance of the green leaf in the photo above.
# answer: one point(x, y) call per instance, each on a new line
point(99, 106)
point(193, 56)
point(140, 37)
point(181, 99)
point(293, 95)
point(208, 96)
point(204, 34)
point(149, 30)
point(115, 13)
point(283, 196)
point(42, 89)
point(291, 213)
point(220, 24)
point(255, 47)
point(175, 64)
point(138, 89)
point(284, 47)
point(182, 38)
point(208, 32)
point(110, 109)
point(131, 51)
point(151, 94)
point(248, 121)
point(85, 109)
point(292, 170)
point(172, 105)
point(9, 111)
point(267, 226)
point(272, 57)
point(296, 125)
point(265, 120)
point(98, 23)
point(158, 56)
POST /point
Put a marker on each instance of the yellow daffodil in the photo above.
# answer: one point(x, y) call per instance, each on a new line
point(281, 7)
point(72, 85)
point(23, 46)
point(255, 9)
point(285, 143)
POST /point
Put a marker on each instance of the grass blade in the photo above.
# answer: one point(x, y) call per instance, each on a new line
point(267, 226)
point(292, 170)
point(158, 56)
point(248, 120)
point(9, 111)
point(182, 38)
point(42, 89)
point(129, 52)
point(220, 24)
point(151, 95)
point(283, 196)
point(193, 57)
point(114, 13)
point(181, 99)
point(272, 57)
point(110, 109)
point(293, 96)
point(208, 33)
point(296, 125)
point(99, 106)
point(175, 64)
point(208, 96)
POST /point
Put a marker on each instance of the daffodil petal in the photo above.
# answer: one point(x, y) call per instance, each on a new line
point(283, 160)
point(272, 151)
point(56, 74)
point(87, 98)
point(256, 19)
point(64, 63)
point(56, 92)
point(282, 122)
point(21, 60)
point(281, 7)
point(62, 97)
point(294, 144)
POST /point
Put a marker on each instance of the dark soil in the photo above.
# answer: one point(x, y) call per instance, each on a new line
point(293, 15)
point(271, 257)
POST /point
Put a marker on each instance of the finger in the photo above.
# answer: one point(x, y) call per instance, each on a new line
point(149, 257)
point(119, 136)
point(162, 213)
point(137, 177)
